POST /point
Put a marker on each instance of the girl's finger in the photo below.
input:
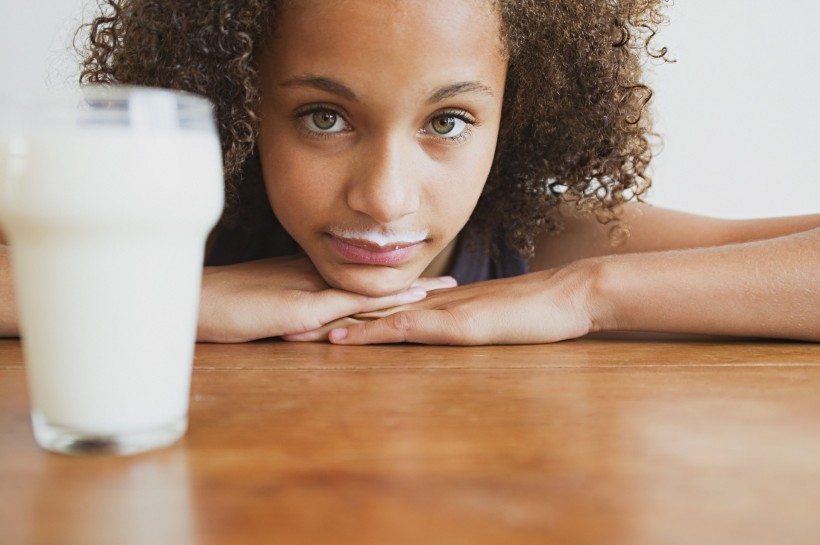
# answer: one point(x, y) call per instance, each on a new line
point(335, 304)
point(415, 326)
point(320, 334)
point(435, 283)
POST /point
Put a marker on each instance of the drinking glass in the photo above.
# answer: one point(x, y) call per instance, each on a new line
point(107, 195)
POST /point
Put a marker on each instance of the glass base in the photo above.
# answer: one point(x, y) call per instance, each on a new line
point(71, 441)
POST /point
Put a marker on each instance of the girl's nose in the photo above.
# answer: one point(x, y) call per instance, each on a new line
point(385, 184)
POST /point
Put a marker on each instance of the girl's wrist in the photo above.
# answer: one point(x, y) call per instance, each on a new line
point(600, 291)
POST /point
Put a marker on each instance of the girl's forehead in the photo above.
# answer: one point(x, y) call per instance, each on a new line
point(373, 36)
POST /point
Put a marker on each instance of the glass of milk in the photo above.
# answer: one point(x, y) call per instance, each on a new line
point(107, 196)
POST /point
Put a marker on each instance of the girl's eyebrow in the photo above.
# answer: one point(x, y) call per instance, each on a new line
point(323, 84)
point(453, 89)
point(340, 89)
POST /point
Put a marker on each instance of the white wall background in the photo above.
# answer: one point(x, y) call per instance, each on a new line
point(35, 43)
point(739, 111)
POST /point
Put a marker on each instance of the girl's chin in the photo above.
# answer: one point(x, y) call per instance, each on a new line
point(371, 283)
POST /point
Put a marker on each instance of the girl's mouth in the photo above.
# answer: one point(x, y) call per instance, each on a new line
point(367, 252)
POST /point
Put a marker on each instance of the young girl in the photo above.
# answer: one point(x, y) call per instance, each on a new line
point(379, 152)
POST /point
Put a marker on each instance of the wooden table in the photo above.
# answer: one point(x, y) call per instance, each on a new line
point(610, 441)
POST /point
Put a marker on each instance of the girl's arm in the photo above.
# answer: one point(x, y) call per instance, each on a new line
point(656, 229)
point(688, 273)
point(677, 273)
point(767, 288)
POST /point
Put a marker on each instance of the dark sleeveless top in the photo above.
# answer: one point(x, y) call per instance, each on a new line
point(470, 263)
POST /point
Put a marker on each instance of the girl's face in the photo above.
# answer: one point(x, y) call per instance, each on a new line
point(379, 121)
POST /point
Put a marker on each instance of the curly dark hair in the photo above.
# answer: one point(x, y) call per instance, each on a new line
point(575, 125)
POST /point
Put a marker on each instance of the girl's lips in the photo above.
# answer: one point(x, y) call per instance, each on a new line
point(369, 253)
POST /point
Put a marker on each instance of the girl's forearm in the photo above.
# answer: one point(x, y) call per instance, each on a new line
point(768, 288)
point(8, 309)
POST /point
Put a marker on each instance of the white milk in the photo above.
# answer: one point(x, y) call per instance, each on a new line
point(107, 228)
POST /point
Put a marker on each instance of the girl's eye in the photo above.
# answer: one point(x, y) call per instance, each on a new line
point(452, 126)
point(448, 126)
point(323, 120)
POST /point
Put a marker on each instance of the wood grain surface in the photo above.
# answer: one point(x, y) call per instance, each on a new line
point(655, 440)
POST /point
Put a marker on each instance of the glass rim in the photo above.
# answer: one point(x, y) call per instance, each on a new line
point(108, 104)
point(122, 92)
point(112, 91)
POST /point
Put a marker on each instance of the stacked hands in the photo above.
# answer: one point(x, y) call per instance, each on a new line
point(287, 297)
point(751, 278)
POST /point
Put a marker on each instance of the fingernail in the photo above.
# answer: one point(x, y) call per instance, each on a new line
point(449, 280)
point(337, 335)
point(412, 295)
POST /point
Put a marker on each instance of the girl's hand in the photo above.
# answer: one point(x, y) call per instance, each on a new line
point(282, 296)
point(534, 308)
